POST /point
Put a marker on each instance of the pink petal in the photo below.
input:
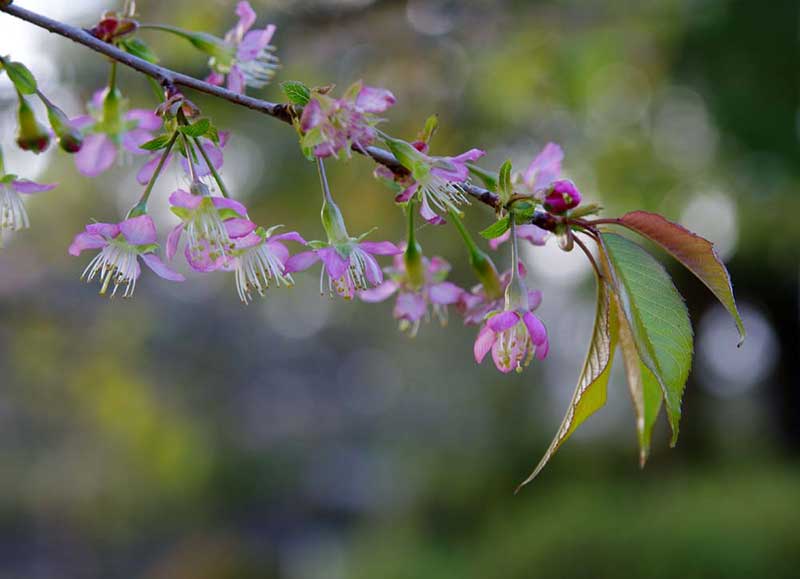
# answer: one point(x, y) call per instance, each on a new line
point(139, 230)
point(247, 17)
point(533, 234)
point(85, 241)
point(289, 236)
point(471, 155)
point(278, 250)
point(82, 122)
point(335, 264)
point(374, 100)
point(146, 119)
point(445, 293)
point(312, 115)
point(534, 299)
point(252, 239)
point(545, 168)
point(380, 247)
point(96, 155)
point(236, 80)
point(536, 329)
point(409, 306)
point(201, 260)
point(134, 139)
point(107, 230)
point(483, 343)
point(428, 213)
point(407, 194)
point(380, 293)
point(373, 271)
point(173, 239)
point(215, 78)
point(149, 168)
point(503, 321)
point(181, 198)
point(254, 42)
point(301, 261)
point(160, 269)
point(239, 227)
point(225, 203)
point(27, 187)
point(542, 350)
point(498, 241)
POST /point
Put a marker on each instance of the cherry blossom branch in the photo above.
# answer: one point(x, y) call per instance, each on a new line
point(169, 78)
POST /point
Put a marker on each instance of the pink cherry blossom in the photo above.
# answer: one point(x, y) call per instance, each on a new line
point(544, 169)
point(13, 215)
point(529, 232)
point(211, 225)
point(259, 259)
point(251, 60)
point(331, 125)
point(514, 337)
point(121, 245)
point(476, 304)
point(105, 137)
point(438, 183)
point(412, 302)
point(350, 265)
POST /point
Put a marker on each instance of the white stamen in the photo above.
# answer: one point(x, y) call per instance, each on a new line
point(13, 216)
point(116, 263)
point(256, 267)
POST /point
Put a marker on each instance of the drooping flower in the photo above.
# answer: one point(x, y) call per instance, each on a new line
point(13, 216)
point(246, 57)
point(201, 168)
point(476, 304)
point(330, 125)
point(413, 298)
point(514, 336)
point(350, 264)
point(110, 127)
point(258, 259)
point(121, 245)
point(211, 225)
point(438, 182)
point(543, 170)
point(562, 196)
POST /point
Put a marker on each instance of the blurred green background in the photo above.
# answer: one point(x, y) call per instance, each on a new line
point(183, 435)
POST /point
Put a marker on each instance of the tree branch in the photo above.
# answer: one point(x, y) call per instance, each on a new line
point(168, 78)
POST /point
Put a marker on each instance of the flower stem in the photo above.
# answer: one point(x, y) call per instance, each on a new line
point(214, 173)
point(112, 76)
point(141, 206)
point(481, 263)
point(189, 151)
point(514, 249)
point(323, 179)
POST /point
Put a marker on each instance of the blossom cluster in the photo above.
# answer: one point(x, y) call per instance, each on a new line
point(215, 233)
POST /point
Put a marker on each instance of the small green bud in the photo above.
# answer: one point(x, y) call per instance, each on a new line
point(333, 222)
point(112, 109)
point(486, 272)
point(69, 138)
point(31, 135)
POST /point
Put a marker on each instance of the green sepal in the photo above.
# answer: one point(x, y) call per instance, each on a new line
point(496, 229)
point(139, 48)
point(22, 78)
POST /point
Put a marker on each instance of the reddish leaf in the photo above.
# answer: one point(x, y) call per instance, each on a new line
point(695, 252)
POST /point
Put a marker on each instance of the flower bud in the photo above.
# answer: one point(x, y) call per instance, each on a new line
point(200, 189)
point(486, 272)
point(562, 196)
point(415, 269)
point(31, 135)
point(69, 138)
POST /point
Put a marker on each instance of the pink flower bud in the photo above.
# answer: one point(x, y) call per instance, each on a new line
point(563, 196)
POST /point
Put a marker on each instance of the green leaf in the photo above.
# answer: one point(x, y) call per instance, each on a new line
point(694, 252)
point(139, 48)
point(156, 144)
point(590, 393)
point(504, 181)
point(22, 78)
point(296, 92)
point(488, 178)
point(657, 317)
point(431, 126)
point(196, 129)
point(644, 387)
point(496, 229)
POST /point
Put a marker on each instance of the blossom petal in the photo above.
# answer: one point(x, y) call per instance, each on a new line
point(545, 168)
point(236, 80)
point(134, 139)
point(536, 328)
point(239, 227)
point(335, 264)
point(96, 155)
point(224, 203)
point(181, 198)
point(215, 78)
point(428, 214)
point(503, 321)
point(407, 193)
point(85, 241)
point(483, 343)
point(82, 122)
point(149, 168)
point(146, 119)
point(25, 186)
point(312, 115)
point(289, 236)
point(173, 239)
point(471, 155)
point(373, 270)
point(380, 247)
point(107, 230)
point(139, 230)
point(301, 261)
point(374, 100)
point(278, 249)
point(542, 350)
point(534, 299)
point(254, 42)
point(498, 241)
point(247, 17)
point(160, 269)
point(445, 293)
point(380, 293)
point(409, 306)
point(533, 234)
